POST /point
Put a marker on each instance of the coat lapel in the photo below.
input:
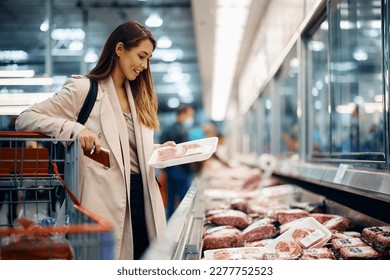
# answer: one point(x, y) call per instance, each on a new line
point(112, 132)
point(144, 140)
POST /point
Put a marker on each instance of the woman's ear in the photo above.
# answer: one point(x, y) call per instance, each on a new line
point(119, 49)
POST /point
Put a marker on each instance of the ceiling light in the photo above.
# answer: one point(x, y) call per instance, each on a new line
point(26, 82)
point(154, 20)
point(173, 102)
point(268, 104)
point(317, 104)
point(164, 42)
point(14, 99)
point(12, 104)
point(90, 56)
point(17, 73)
point(316, 46)
point(371, 107)
point(346, 24)
point(378, 98)
point(346, 109)
point(76, 46)
point(360, 55)
point(13, 55)
point(324, 25)
point(44, 26)
point(228, 37)
point(68, 34)
point(168, 55)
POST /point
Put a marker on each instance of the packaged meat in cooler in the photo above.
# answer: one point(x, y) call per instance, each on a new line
point(383, 239)
point(379, 238)
point(322, 217)
point(233, 218)
point(317, 254)
point(288, 246)
point(285, 216)
point(306, 237)
point(222, 237)
point(337, 223)
point(307, 233)
point(278, 256)
point(212, 212)
point(308, 206)
point(258, 243)
point(239, 203)
point(255, 208)
point(337, 244)
point(186, 152)
point(169, 153)
point(369, 234)
point(285, 227)
point(278, 191)
point(359, 253)
point(345, 234)
point(240, 253)
point(260, 229)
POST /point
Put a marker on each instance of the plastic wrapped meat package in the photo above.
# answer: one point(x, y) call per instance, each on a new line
point(306, 234)
point(241, 253)
point(186, 152)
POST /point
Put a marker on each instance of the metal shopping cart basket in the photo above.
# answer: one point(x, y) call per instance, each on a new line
point(40, 217)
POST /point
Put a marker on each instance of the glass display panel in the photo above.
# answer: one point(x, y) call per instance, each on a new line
point(317, 74)
point(356, 67)
point(253, 138)
point(287, 90)
point(265, 120)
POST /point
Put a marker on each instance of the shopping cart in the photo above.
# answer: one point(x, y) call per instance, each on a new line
point(40, 215)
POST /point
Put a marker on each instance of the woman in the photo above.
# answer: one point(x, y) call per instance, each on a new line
point(123, 121)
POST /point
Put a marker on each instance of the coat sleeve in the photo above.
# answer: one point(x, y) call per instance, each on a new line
point(57, 115)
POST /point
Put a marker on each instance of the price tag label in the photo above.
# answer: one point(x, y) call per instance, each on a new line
point(340, 173)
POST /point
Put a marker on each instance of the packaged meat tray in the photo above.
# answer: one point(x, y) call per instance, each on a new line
point(317, 254)
point(222, 237)
point(379, 238)
point(186, 152)
point(241, 253)
point(233, 218)
point(359, 253)
point(278, 256)
point(259, 230)
point(306, 234)
point(347, 242)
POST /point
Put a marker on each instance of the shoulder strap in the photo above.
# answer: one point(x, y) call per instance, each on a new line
point(89, 102)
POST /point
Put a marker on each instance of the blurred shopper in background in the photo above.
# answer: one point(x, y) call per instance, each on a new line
point(123, 121)
point(178, 177)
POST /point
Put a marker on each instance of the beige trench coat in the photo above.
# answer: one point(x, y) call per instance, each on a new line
point(103, 190)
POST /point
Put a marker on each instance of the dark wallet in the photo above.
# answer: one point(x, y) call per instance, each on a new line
point(102, 157)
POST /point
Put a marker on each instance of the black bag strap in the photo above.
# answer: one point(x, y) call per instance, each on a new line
point(89, 102)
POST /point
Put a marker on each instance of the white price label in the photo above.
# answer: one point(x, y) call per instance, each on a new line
point(340, 173)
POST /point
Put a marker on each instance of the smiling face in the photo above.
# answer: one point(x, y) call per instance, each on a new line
point(132, 62)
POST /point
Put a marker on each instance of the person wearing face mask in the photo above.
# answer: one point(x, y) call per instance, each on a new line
point(178, 177)
point(123, 120)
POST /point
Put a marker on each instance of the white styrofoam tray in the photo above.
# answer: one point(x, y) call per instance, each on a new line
point(321, 233)
point(207, 147)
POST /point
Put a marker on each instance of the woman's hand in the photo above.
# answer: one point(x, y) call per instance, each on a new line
point(166, 144)
point(89, 141)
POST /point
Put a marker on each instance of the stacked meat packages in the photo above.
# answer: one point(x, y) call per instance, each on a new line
point(274, 223)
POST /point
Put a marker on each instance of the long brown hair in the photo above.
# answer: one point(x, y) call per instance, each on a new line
point(131, 33)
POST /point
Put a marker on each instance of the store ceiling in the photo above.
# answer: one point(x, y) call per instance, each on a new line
point(20, 23)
